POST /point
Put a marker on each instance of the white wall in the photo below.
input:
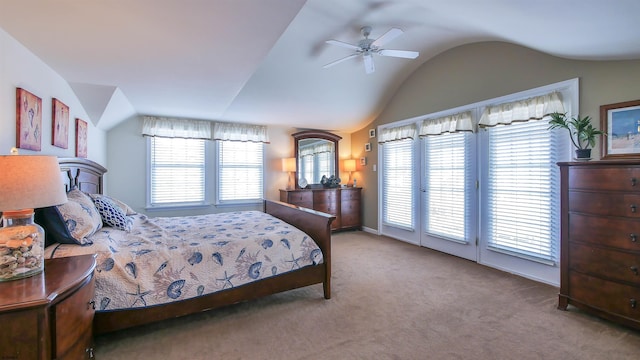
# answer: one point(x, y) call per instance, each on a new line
point(19, 67)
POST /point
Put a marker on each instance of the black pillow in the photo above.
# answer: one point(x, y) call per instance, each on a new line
point(55, 229)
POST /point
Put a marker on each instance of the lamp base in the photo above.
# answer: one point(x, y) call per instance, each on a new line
point(21, 246)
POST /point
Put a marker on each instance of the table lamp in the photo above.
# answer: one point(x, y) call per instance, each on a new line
point(26, 182)
point(350, 166)
point(289, 165)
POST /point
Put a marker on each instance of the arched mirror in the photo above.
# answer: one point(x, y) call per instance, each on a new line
point(316, 156)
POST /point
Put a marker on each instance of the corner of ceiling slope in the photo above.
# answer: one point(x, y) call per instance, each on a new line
point(106, 106)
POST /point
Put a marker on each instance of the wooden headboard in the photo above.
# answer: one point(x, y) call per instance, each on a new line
point(82, 174)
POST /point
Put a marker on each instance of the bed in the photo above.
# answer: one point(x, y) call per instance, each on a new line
point(284, 247)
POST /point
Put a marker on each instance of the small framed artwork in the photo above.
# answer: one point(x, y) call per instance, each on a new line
point(367, 147)
point(81, 138)
point(60, 124)
point(621, 122)
point(363, 161)
point(372, 133)
point(28, 120)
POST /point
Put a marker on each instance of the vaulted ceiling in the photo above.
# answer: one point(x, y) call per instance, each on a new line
point(261, 61)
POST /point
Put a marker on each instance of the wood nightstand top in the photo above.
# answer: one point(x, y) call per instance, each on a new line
point(60, 276)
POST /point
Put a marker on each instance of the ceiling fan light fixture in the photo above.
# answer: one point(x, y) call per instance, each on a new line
point(367, 47)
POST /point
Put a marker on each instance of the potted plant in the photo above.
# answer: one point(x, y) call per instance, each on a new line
point(581, 132)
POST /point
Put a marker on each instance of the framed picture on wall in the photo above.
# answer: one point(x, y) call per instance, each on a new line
point(372, 133)
point(367, 147)
point(60, 124)
point(621, 122)
point(81, 138)
point(28, 120)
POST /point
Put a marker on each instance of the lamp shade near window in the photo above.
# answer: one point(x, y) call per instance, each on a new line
point(350, 166)
point(289, 166)
point(26, 182)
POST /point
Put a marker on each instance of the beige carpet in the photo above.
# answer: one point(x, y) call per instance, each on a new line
point(391, 300)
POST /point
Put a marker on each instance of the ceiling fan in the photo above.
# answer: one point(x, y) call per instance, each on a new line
point(367, 47)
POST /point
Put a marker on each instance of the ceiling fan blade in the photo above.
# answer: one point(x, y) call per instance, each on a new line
point(388, 36)
point(368, 64)
point(340, 60)
point(343, 44)
point(399, 53)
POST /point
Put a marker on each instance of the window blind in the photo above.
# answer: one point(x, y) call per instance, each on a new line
point(448, 185)
point(522, 200)
point(240, 171)
point(398, 183)
point(177, 171)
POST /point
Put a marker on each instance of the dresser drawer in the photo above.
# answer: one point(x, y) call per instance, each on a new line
point(605, 178)
point(300, 198)
point(611, 204)
point(615, 232)
point(325, 197)
point(605, 263)
point(606, 295)
point(350, 194)
point(74, 320)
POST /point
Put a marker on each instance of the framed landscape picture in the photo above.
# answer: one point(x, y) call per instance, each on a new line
point(621, 122)
point(60, 124)
point(81, 138)
point(28, 120)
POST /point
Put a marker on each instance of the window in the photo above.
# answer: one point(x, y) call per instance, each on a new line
point(448, 185)
point(397, 183)
point(240, 171)
point(522, 200)
point(177, 171)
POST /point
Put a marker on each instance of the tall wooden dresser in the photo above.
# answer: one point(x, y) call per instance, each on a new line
point(600, 245)
point(344, 203)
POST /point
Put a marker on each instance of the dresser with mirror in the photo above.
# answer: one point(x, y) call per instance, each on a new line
point(317, 157)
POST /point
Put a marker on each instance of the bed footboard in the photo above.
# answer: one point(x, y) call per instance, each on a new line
point(316, 224)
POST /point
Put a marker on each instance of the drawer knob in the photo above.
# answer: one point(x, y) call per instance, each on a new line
point(633, 237)
point(633, 303)
point(633, 181)
point(634, 269)
point(633, 208)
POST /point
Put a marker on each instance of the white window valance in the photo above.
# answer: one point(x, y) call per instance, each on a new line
point(447, 124)
point(397, 133)
point(316, 149)
point(176, 128)
point(534, 108)
point(240, 132)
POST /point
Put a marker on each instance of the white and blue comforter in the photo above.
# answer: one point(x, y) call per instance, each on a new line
point(176, 258)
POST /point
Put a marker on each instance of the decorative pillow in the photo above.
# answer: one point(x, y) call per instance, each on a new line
point(112, 215)
point(126, 208)
point(70, 223)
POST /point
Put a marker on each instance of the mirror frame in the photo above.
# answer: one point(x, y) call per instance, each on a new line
point(315, 134)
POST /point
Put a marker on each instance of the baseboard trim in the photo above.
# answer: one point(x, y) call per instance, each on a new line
point(370, 230)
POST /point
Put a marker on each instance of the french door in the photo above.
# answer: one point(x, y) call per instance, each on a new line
point(448, 194)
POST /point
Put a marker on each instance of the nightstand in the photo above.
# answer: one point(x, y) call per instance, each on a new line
point(49, 315)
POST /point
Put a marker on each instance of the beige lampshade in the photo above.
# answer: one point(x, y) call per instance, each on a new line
point(289, 164)
point(350, 165)
point(29, 182)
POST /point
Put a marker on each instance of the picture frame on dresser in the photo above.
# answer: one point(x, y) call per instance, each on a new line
point(621, 122)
